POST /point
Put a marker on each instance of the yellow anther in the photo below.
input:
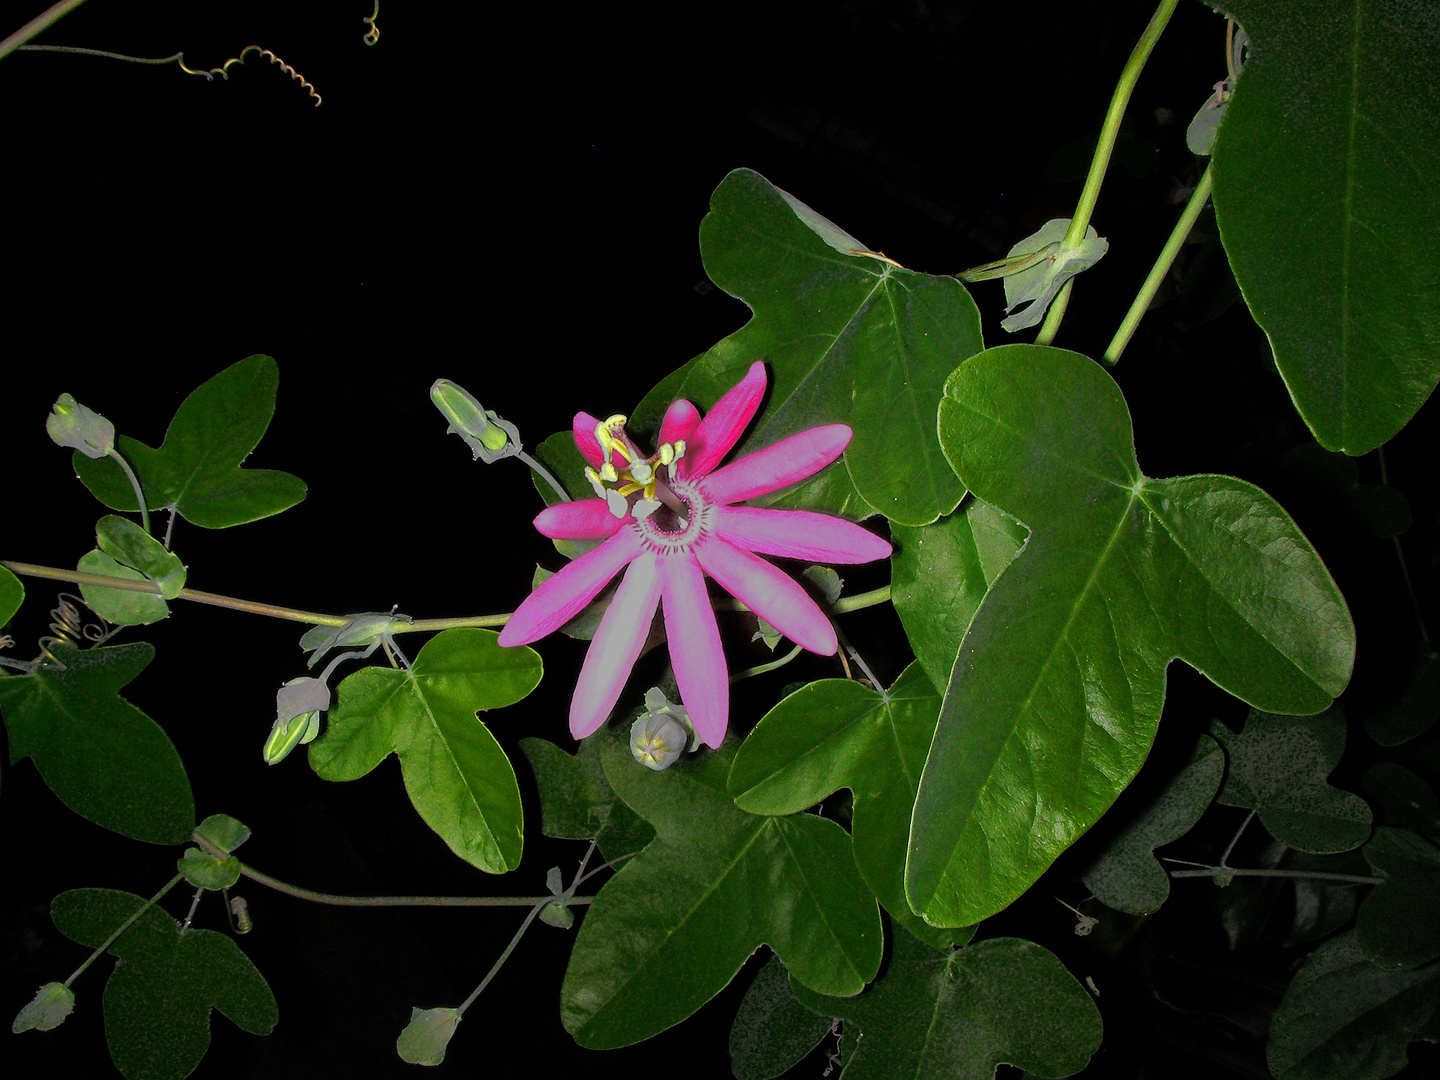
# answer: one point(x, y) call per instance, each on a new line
point(667, 454)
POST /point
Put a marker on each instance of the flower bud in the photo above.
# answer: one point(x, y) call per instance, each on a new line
point(285, 735)
point(487, 435)
point(298, 705)
point(72, 424)
point(662, 733)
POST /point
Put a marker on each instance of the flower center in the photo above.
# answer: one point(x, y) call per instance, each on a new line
point(634, 485)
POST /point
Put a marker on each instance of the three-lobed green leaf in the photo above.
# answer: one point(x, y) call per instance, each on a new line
point(1327, 194)
point(1278, 766)
point(848, 338)
point(197, 469)
point(677, 921)
point(102, 756)
point(456, 774)
point(838, 733)
point(158, 999)
point(1055, 695)
point(961, 1014)
point(1125, 875)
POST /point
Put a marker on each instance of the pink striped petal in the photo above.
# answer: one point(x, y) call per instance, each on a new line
point(588, 519)
point(798, 534)
point(769, 593)
point(695, 648)
point(680, 422)
point(559, 599)
point(617, 644)
point(583, 428)
point(724, 424)
point(778, 465)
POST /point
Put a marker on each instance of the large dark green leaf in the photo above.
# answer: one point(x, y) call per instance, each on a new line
point(1054, 698)
point(158, 1000)
point(671, 929)
point(837, 733)
point(12, 595)
point(197, 470)
point(1327, 192)
point(961, 1014)
point(1344, 1017)
point(102, 756)
point(1278, 766)
point(457, 775)
point(848, 338)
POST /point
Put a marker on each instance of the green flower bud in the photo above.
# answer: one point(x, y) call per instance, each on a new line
point(288, 734)
point(72, 424)
point(487, 435)
point(298, 705)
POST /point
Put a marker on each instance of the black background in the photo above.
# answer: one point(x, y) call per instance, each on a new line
point(509, 198)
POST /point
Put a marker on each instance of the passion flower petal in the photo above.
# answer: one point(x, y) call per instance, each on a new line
point(559, 598)
point(779, 465)
point(680, 422)
point(724, 424)
point(583, 427)
point(768, 592)
point(798, 534)
point(695, 648)
point(617, 645)
point(588, 519)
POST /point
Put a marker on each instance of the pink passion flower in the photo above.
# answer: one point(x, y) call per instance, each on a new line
point(668, 520)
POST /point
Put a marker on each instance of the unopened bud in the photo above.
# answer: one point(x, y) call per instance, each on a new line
point(662, 734)
point(488, 436)
point(298, 706)
point(72, 424)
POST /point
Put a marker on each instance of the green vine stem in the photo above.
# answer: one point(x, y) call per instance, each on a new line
point(43, 21)
point(1109, 132)
point(378, 901)
point(1308, 875)
point(139, 494)
point(314, 617)
point(1198, 198)
point(125, 926)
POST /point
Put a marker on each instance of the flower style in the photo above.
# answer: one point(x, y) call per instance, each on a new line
point(670, 519)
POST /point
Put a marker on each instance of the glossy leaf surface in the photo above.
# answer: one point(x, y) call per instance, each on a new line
point(1126, 876)
point(1054, 698)
point(197, 469)
point(159, 997)
point(939, 574)
point(456, 774)
point(1327, 193)
point(102, 756)
point(837, 733)
point(676, 923)
point(119, 606)
point(1344, 1017)
point(869, 346)
point(961, 1014)
point(12, 595)
point(1278, 766)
